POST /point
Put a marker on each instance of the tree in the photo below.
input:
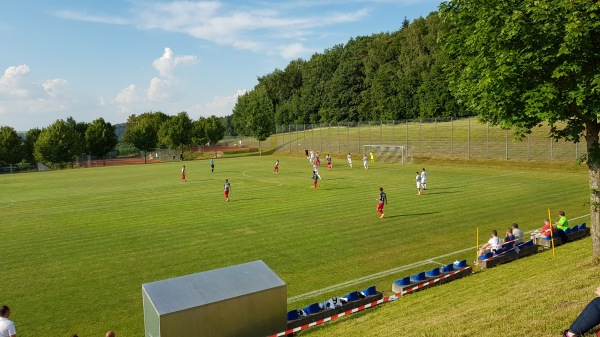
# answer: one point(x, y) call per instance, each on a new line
point(10, 146)
point(80, 128)
point(58, 144)
point(519, 63)
point(100, 138)
point(142, 130)
point(176, 132)
point(28, 144)
point(214, 130)
point(253, 115)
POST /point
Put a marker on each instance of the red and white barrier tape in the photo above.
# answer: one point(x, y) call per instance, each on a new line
point(368, 305)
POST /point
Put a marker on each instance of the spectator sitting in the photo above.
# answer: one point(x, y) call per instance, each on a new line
point(492, 243)
point(562, 223)
point(517, 233)
point(587, 319)
point(549, 230)
point(7, 327)
point(509, 235)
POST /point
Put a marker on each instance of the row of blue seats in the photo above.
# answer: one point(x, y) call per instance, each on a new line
point(571, 230)
point(435, 272)
point(318, 307)
point(506, 247)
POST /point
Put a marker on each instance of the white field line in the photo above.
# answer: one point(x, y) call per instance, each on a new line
point(386, 273)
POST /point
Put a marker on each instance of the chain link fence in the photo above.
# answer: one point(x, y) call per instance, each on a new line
point(463, 138)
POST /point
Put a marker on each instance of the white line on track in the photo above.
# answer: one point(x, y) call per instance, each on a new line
point(385, 273)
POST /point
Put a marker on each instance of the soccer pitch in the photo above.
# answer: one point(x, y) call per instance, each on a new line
point(78, 244)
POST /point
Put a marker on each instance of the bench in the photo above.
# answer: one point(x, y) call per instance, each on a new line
point(431, 278)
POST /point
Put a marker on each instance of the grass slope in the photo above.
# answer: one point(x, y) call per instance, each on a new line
point(78, 244)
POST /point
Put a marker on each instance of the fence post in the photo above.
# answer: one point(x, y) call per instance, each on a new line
point(406, 121)
point(506, 143)
point(528, 146)
point(487, 141)
point(551, 149)
point(358, 128)
point(576, 151)
point(434, 135)
point(381, 133)
point(320, 138)
point(348, 145)
point(339, 138)
point(469, 137)
point(451, 137)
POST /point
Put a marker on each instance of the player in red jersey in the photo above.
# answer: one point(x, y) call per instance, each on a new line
point(226, 189)
point(183, 174)
point(315, 179)
point(328, 160)
point(382, 199)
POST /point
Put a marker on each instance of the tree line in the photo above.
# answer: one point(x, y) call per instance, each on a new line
point(61, 143)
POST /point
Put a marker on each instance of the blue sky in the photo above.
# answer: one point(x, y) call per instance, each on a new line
point(113, 58)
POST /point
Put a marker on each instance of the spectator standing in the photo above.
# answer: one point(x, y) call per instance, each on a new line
point(7, 327)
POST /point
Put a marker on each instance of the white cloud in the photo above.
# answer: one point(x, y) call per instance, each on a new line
point(128, 95)
point(14, 82)
point(168, 61)
point(159, 89)
point(55, 87)
point(293, 51)
point(261, 28)
point(220, 106)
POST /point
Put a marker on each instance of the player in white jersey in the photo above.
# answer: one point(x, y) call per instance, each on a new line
point(349, 159)
point(418, 180)
point(424, 179)
point(316, 169)
point(365, 162)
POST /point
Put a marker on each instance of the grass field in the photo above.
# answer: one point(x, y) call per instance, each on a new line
point(78, 244)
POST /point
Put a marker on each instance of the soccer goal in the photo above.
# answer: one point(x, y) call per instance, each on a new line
point(390, 154)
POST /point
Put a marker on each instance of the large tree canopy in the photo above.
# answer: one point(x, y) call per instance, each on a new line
point(100, 137)
point(58, 144)
point(517, 63)
point(10, 146)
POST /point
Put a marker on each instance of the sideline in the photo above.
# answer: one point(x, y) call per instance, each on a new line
point(388, 272)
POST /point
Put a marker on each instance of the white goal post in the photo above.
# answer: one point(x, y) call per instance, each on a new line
point(390, 154)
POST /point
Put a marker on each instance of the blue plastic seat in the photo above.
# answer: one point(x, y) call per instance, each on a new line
point(509, 245)
point(312, 309)
point(520, 245)
point(448, 268)
point(292, 315)
point(353, 296)
point(370, 291)
point(498, 251)
point(485, 256)
point(530, 242)
point(569, 230)
point(581, 226)
point(402, 282)
point(433, 272)
point(460, 264)
point(418, 277)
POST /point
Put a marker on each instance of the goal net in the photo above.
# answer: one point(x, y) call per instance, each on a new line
point(390, 154)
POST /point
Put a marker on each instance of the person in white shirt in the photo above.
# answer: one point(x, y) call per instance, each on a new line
point(492, 244)
point(424, 179)
point(349, 159)
point(316, 170)
point(7, 327)
point(418, 180)
point(365, 162)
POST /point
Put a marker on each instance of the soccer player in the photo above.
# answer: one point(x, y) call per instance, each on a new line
point(365, 162)
point(315, 179)
point(328, 159)
point(212, 165)
point(424, 179)
point(372, 158)
point(349, 160)
point(418, 180)
point(276, 167)
point(226, 189)
point(382, 199)
point(183, 174)
point(316, 170)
